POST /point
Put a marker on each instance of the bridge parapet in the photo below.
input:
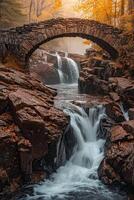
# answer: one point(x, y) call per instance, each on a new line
point(21, 42)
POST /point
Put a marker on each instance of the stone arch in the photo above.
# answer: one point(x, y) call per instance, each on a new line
point(26, 39)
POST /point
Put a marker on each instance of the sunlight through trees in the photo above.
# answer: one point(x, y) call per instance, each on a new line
point(115, 12)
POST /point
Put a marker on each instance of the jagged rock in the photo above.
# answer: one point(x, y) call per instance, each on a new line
point(95, 74)
point(25, 151)
point(45, 72)
point(108, 174)
point(93, 85)
point(103, 77)
point(30, 126)
point(114, 112)
point(131, 113)
point(125, 89)
point(114, 96)
point(118, 134)
point(129, 126)
point(117, 165)
point(9, 155)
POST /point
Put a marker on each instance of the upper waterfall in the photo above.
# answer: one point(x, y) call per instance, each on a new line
point(68, 71)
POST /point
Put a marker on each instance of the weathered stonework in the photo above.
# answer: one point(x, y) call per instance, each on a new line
point(21, 42)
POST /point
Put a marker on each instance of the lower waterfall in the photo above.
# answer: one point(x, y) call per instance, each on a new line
point(78, 179)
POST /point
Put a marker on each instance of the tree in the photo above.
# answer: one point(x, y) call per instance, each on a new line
point(11, 13)
point(130, 6)
point(100, 10)
point(122, 7)
point(42, 9)
point(119, 13)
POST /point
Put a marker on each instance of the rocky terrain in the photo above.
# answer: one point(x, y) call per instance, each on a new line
point(44, 64)
point(113, 81)
point(30, 127)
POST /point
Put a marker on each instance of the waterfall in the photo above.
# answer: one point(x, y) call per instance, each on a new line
point(60, 72)
point(77, 179)
point(125, 113)
point(80, 172)
point(72, 72)
point(85, 127)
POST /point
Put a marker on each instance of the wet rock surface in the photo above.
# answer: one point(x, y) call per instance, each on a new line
point(30, 127)
point(113, 82)
point(46, 72)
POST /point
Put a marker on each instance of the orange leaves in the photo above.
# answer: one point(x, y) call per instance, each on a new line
point(100, 10)
point(57, 4)
point(86, 42)
point(114, 12)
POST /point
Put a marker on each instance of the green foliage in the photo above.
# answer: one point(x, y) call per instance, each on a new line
point(11, 13)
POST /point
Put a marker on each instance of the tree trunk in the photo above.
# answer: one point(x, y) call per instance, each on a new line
point(115, 13)
point(30, 10)
point(122, 7)
point(130, 6)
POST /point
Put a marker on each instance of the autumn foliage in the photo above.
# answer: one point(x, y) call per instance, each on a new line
point(119, 13)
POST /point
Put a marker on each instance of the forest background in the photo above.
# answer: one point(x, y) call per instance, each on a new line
point(119, 13)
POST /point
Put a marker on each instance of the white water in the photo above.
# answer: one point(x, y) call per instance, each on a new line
point(88, 152)
point(60, 72)
point(79, 175)
point(77, 179)
point(72, 70)
point(125, 113)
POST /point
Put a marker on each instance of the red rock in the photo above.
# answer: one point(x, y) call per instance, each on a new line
point(26, 157)
point(128, 169)
point(103, 77)
point(129, 126)
point(131, 113)
point(9, 154)
point(30, 126)
point(123, 84)
point(119, 157)
point(45, 72)
point(118, 134)
point(107, 174)
point(125, 89)
point(114, 112)
point(114, 96)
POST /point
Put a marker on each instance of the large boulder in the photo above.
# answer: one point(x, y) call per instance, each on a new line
point(118, 163)
point(125, 89)
point(102, 77)
point(46, 72)
point(95, 74)
point(131, 113)
point(30, 127)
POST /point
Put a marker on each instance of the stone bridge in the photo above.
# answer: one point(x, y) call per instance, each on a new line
point(21, 42)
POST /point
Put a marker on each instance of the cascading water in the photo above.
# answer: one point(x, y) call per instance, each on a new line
point(73, 70)
point(88, 151)
point(60, 72)
point(72, 73)
point(125, 113)
point(78, 178)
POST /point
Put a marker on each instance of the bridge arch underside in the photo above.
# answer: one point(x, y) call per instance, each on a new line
point(100, 42)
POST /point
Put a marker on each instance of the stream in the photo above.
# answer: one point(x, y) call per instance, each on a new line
point(77, 179)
